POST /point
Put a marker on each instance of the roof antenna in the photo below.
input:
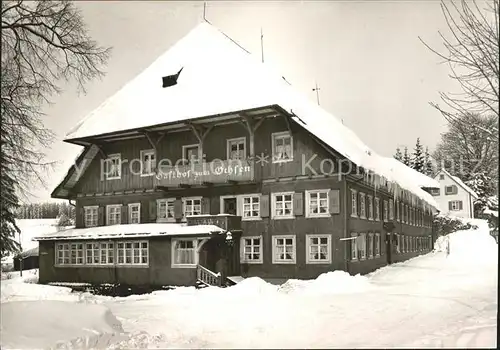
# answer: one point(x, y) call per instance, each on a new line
point(317, 91)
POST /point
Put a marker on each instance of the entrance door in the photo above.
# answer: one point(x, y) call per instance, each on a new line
point(229, 206)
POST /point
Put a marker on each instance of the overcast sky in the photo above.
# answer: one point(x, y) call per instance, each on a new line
point(372, 70)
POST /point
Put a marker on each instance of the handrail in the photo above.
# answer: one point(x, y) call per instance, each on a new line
point(208, 277)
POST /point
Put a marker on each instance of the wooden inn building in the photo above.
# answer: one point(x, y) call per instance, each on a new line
point(209, 167)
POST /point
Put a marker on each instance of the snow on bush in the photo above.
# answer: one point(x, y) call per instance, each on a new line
point(334, 282)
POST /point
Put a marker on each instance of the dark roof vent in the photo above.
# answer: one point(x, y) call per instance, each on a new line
point(171, 80)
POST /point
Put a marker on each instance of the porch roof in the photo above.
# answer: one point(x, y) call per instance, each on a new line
point(131, 231)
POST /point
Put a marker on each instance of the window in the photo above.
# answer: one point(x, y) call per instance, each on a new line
point(455, 205)
point(318, 249)
point(76, 253)
point(377, 244)
point(184, 252)
point(377, 209)
point(398, 217)
point(165, 209)
point(441, 177)
point(112, 167)
point(407, 214)
point(386, 211)
point(91, 216)
point(391, 209)
point(370, 207)
point(62, 254)
point(133, 253)
point(236, 148)
point(370, 245)
point(191, 153)
point(317, 203)
point(435, 191)
point(251, 207)
point(134, 213)
point(403, 213)
point(362, 206)
point(450, 189)
point(191, 206)
point(362, 246)
point(354, 246)
point(354, 203)
point(284, 249)
point(99, 253)
point(398, 243)
point(114, 214)
point(282, 205)
point(251, 250)
point(282, 145)
point(148, 162)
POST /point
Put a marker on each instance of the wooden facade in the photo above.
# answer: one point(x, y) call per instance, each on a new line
point(313, 167)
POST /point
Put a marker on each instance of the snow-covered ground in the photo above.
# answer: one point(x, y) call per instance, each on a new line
point(435, 300)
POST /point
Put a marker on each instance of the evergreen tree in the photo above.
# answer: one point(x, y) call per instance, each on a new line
point(398, 155)
point(428, 168)
point(406, 158)
point(9, 203)
point(418, 162)
point(481, 184)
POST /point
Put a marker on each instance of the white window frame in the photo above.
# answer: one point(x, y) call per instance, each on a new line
point(385, 217)
point(108, 159)
point(281, 135)
point(240, 205)
point(64, 248)
point(132, 254)
point(148, 153)
point(195, 252)
point(79, 259)
point(275, 246)
point(243, 252)
point(398, 243)
point(453, 203)
point(316, 193)
point(362, 205)
point(328, 259)
point(274, 196)
point(370, 245)
point(94, 209)
point(130, 207)
point(168, 201)
point(398, 218)
point(377, 244)
point(108, 207)
point(184, 151)
point(391, 209)
point(377, 209)
point(354, 246)
point(236, 140)
point(184, 200)
point(354, 203)
point(362, 245)
point(97, 248)
point(370, 207)
point(452, 187)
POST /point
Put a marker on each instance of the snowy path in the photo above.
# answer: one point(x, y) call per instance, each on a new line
point(428, 301)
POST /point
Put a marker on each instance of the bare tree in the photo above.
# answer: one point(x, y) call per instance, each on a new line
point(43, 44)
point(472, 52)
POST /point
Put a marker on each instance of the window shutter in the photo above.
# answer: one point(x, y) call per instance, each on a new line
point(152, 210)
point(100, 213)
point(334, 201)
point(264, 206)
point(178, 209)
point(298, 203)
point(125, 218)
point(449, 205)
point(455, 189)
point(460, 205)
point(205, 205)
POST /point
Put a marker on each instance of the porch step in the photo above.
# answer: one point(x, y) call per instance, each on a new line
point(235, 279)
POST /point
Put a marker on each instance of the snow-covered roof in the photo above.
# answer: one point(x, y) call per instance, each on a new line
point(460, 183)
point(132, 231)
point(219, 76)
point(418, 178)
